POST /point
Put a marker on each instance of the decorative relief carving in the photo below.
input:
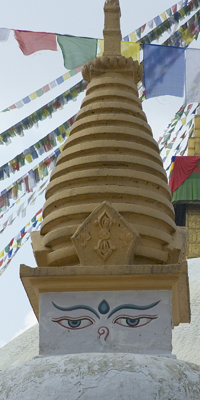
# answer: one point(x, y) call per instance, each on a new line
point(84, 237)
point(126, 236)
point(193, 223)
point(105, 238)
point(116, 63)
point(104, 247)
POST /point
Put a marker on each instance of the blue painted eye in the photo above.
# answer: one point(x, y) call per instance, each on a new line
point(131, 322)
point(74, 323)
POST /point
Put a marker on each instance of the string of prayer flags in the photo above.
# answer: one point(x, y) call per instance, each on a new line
point(7, 254)
point(30, 42)
point(40, 92)
point(182, 36)
point(45, 144)
point(20, 211)
point(77, 50)
point(42, 113)
point(29, 180)
point(164, 71)
point(165, 141)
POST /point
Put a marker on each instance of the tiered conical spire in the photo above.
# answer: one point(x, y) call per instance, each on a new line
point(110, 155)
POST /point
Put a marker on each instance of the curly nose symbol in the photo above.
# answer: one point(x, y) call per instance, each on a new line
point(104, 332)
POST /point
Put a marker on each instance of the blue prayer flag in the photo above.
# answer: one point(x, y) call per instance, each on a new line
point(164, 71)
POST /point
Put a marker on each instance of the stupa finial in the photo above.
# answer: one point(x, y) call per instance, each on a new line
point(112, 32)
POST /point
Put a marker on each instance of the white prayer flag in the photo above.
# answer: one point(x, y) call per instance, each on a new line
point(4, 34)
point(192, 92)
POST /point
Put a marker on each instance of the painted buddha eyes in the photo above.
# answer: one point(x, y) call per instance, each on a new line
point(74, 323)
point(131, 322)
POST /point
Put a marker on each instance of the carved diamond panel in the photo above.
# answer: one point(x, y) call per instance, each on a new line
point(105, 238)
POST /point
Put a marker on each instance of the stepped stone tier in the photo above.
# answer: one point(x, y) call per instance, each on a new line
point(110, 156)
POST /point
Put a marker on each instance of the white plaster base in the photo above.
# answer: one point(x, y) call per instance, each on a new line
point(101, 376)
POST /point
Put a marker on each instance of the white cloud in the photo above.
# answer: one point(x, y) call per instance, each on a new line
point(29, 321)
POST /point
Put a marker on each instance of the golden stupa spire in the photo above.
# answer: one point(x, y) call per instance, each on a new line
point(112, 32)
point(108, 205)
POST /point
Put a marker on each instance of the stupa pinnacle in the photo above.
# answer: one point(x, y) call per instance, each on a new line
point(108, 221)
point(109, 156)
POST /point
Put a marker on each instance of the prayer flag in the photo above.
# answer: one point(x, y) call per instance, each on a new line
point(4, 34)
point(77, 50)
point(30, 42)
point(192, 76)
point(157, 20)
point(164, 70)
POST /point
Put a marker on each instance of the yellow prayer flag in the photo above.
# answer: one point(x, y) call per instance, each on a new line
point(60, 138)
point(163, 15)
point(61, 128)
point(9, 187)
point(133, 37)
point(101, 47)
point(27, 224)
point(171, 167)
point(128, 49)
point(14, 245)
point(74, 93)
point(28, 157)
point(40, 172)
point(67, 133)
point(33, 96)
point(182, 12)
point(167, 152)
point(45, 113)
point(61, 147)
point(17, 201)
point(2, 254)
point(66, 76)
point(40, 218)
point(183, 120)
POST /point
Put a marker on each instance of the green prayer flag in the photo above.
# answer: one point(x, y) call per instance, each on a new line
point(169, 12)
point(77, 50)
point(7, 249)
point(39, 92)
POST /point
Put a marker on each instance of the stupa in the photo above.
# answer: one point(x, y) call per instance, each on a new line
point(112, 276)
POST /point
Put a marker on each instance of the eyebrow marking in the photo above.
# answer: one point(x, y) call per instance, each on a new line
point(76, 308)
point(132, 307)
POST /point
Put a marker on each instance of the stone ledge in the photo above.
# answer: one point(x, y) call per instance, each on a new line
point(131, 277)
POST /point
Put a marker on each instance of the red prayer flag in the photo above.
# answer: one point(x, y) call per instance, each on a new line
point(174, 8)
point(46, 88)
point(30, 42)
point(39, 212)
point(11, 242)
point(183, 167)
point(189, 107)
